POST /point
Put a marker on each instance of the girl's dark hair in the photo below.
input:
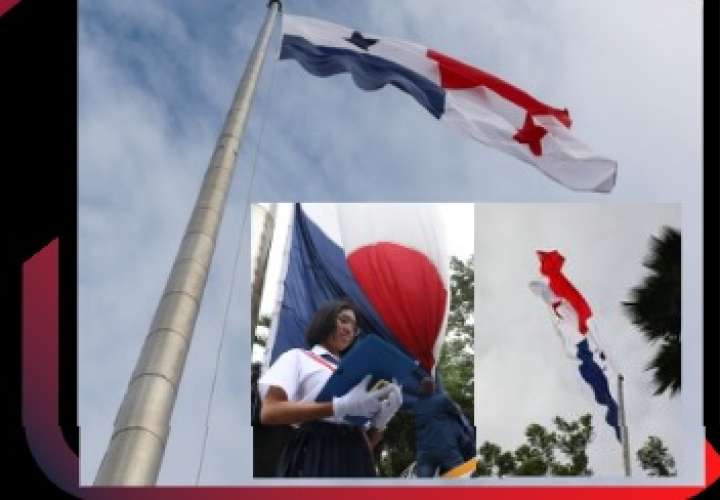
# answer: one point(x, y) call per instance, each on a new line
point(324, 321)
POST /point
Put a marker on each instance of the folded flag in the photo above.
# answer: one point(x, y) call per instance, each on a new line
point(315, 271)
point(391, 263)
point(572, 312)
point(484, 106)
point(396, 253)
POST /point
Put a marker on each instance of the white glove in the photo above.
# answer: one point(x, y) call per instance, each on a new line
point(388, 407)
point(360, 402)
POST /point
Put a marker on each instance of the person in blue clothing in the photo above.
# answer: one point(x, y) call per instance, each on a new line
point(443, 438)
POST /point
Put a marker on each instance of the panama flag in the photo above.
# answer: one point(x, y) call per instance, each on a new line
point(571, 314)
point(389, 260)
point(484, 106)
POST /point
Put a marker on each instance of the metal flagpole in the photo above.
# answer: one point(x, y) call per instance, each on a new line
point(623, 427)
point(142, 425)
point(261, 261)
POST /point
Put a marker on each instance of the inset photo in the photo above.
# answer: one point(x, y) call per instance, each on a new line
point(363, 341)
point(578, 342)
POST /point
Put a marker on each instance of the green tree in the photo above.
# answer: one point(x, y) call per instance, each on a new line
point(572, 439)
point(506, 464)
point(654, 307)
point(456, 368)
point(457, 358)
point(492, 460)
point(488, 455)
point(655, 458)
point(529, 461)
point(538, 456)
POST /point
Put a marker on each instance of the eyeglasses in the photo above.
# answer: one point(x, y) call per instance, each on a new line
point(346, 319)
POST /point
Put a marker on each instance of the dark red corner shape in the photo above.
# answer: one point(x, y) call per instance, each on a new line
point(6, 5)
point(40, 415)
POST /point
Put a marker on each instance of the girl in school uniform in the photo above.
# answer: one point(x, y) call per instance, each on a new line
point(324, 445)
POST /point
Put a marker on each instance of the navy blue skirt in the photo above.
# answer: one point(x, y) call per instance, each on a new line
point(320, 449)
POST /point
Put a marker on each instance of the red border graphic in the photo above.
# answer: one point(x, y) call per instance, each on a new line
point(6, 5)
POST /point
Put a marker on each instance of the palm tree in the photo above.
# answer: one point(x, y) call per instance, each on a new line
point(654, 307)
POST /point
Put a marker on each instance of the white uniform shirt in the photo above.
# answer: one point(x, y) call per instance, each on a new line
point(301, 374)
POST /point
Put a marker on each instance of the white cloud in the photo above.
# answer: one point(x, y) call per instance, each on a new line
point(522, 374)
point(155, 80)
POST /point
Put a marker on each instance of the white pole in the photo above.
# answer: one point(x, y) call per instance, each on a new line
point(623, 427)
point(142, 425)
point(261, 262)
point(285, 262)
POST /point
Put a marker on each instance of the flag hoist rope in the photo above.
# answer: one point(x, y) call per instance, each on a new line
point(246, 209)
point(141, 428)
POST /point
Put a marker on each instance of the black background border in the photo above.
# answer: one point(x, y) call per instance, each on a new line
point(38, 82)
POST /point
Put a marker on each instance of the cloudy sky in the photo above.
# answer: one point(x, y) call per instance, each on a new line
point(155, 82)
point(522, 374)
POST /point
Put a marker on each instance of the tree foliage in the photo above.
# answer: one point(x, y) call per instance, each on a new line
point(572, 441)
point(559, 452)
point(654, 307)
point(655, 458)
point(457, 358)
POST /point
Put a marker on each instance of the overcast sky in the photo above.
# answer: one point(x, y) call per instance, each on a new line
point(155, 82)
point(522, 374)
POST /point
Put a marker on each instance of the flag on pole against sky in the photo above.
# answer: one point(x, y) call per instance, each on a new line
point(484, 106)
point(571, 314)
point(391, 263)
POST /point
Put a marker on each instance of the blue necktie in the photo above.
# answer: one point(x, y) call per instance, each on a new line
point(330, 358)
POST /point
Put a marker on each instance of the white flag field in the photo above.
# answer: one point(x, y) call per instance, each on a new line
point(489, 109)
